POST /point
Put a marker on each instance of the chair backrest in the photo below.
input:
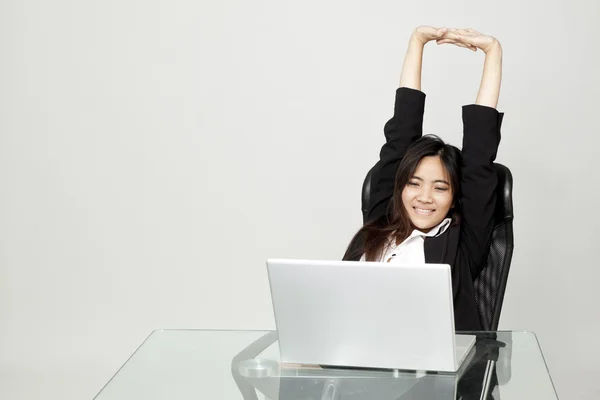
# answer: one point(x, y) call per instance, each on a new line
point(490, 285)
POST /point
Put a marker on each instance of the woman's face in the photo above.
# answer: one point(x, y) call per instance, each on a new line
point(428, 196)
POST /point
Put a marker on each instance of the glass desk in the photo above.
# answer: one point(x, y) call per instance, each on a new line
point(202, 364)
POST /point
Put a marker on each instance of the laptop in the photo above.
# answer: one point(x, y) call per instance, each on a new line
point(366, 315)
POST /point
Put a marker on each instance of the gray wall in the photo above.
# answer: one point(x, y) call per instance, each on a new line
point(153, 154)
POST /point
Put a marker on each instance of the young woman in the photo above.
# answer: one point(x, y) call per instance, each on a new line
point(430, 202)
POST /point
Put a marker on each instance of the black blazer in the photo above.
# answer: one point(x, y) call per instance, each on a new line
point(464, 247)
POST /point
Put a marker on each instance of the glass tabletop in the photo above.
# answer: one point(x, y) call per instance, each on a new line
point(204, 364)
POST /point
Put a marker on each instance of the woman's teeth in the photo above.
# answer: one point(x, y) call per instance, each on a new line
point(423, 211)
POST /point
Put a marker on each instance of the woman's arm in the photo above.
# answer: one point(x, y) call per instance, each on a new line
point(481, 137)
point(410, 76)
point(489, 89)
point(406, 125)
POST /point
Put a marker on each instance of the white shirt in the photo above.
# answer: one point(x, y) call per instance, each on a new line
point(412, 249)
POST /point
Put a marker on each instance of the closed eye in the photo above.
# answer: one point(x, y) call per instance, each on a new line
point(413, 184)
point(441, 189)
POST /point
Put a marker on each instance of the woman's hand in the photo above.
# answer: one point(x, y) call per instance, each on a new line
point(470, 39)
point(424, 34)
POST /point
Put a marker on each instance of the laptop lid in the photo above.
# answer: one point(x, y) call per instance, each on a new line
point(364, 314)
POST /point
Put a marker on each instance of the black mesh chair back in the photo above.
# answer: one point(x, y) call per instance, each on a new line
point(490, 285)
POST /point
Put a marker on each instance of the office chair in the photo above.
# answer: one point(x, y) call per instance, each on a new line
point(490, 285)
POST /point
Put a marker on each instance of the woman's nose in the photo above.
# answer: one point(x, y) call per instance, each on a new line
point(425, 196)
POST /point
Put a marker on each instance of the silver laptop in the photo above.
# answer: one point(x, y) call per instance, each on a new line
point(366, 314)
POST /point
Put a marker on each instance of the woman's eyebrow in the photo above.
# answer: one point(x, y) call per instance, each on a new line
point(436, 181)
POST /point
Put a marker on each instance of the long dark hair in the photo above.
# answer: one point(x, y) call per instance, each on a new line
point(373, 236)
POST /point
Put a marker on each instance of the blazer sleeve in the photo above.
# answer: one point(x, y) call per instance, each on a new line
point(481, 137)
point(404, 128)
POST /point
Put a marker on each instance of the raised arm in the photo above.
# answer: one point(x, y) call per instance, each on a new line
point(489, 89)
point(413, 60)
point(481, 137)
point(406, 125)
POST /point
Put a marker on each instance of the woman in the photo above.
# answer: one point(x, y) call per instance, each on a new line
point(429, 202)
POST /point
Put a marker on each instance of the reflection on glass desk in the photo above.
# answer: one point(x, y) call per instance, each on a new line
point(201, 364)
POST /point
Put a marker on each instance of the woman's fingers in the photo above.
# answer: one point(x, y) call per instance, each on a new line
point(454, 33)
point(466, 46)
point(425, 33)
point(468, 37)
point(440, 32)
point(454, 42)
point(464, 38)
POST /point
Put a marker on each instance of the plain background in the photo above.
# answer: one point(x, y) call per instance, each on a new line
point(154, 153)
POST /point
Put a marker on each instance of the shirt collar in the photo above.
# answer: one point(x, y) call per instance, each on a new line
point(435, 231)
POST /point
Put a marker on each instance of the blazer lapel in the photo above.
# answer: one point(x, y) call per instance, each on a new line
point(435, 249)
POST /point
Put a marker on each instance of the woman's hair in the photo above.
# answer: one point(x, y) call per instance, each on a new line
point(395, 221)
